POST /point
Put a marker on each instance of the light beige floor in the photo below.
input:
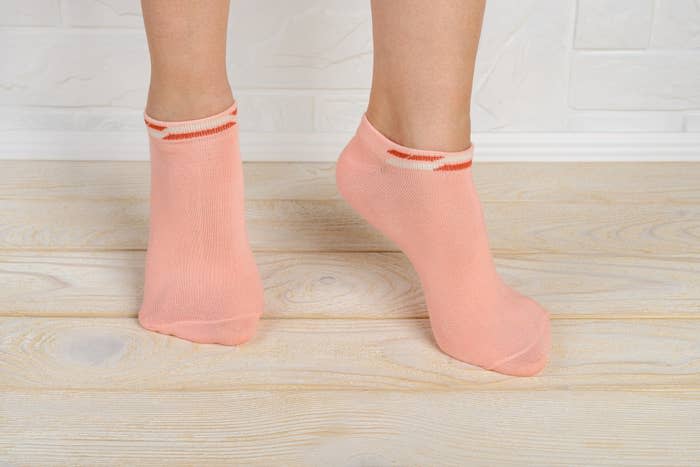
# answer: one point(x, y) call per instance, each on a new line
point(344, 370)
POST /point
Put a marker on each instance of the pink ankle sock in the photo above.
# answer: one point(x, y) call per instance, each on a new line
point(202, 283)
point(425, 201)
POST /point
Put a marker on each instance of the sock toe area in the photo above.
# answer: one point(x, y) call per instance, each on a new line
point(532, 359)
point(233, 331)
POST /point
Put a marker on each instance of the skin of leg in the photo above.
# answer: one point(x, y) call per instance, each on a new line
point(424, 54)
point(187, 43)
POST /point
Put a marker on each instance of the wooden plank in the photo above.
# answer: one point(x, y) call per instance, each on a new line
point(355, 285)
point(118, 355)
point(649, 208)
point(292, 225)
point(322, 428)
point(579, 183)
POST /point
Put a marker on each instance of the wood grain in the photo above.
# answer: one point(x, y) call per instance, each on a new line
point(293, 225)
point(355, 285)
point(583, 209)
point(578, 183)
point(351, 428)
point(378, 355)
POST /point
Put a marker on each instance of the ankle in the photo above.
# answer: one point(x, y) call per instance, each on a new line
point(180, 102)
point(437, 127)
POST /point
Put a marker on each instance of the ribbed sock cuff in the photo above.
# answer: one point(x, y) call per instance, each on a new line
point(187, 129)
point(410, 158)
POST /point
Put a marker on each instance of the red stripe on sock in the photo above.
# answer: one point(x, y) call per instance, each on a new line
point(234, 112)
point(155, 127)
point(463, 165)
point(413, 157)
point(196, 134)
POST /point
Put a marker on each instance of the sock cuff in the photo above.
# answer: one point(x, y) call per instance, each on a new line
point(188, 129)
point(410, 158)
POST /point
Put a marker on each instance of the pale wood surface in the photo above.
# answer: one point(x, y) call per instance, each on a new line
point(583, 209)
point(356, 285)
point(344, 370)
point(352, 428)
point(336, 354)
point(313, 225)
point(578, 183)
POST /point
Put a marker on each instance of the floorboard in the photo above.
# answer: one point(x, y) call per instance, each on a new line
point(329, 428)
point(311, 225)
point(576, 182)
point(356, 285)
point(379, 355)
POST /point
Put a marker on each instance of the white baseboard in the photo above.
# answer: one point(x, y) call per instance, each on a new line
point(525, 147)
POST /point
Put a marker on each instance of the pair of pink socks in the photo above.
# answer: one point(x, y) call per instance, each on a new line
point(202, 283)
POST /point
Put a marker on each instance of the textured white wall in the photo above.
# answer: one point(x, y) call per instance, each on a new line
point(301, 68)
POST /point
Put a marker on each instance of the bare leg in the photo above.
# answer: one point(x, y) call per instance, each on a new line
point(187, 42)
point(424, 55)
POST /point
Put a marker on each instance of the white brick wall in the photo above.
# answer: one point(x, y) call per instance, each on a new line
point(301, 68)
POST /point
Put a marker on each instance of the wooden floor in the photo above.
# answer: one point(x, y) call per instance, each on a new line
point(344, 370)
